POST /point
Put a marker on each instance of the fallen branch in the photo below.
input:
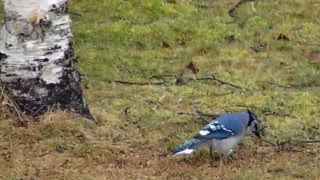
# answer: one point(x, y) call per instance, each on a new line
point(303, 85)
point(180, 80)
point(227, 83)
point(74, 13)
point(306, 142)
point(222, 94)
point(204, 6)
point(162, 76)
point(198, 114)
point(138, 83)
point(273, 113)
point(289, 146)
point(240, 3)
point(268, 142)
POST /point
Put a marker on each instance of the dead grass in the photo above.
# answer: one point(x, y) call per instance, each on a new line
point(124, 40)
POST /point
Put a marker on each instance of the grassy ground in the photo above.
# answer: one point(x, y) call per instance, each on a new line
point(134, 40)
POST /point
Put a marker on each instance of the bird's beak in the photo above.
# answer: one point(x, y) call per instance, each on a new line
point(257, 134)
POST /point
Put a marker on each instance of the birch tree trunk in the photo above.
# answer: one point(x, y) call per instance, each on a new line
point(36, 57)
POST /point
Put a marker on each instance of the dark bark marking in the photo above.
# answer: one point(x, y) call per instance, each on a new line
point(55, 47)
point(10, 75)
point(65, 96)
point(60, 9)
point(7, 45)
point(36, 68)
point(48, 52)
point(51, 49)
point(3, 56)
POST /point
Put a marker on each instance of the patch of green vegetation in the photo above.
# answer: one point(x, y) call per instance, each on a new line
point(137, 39)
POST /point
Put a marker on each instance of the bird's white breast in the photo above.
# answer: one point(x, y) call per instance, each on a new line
point(225, 146)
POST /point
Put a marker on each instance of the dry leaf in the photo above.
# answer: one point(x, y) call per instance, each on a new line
point(290, 79)
point(194, 69)
point(172, 1)
point(259, 47)
point(20, 123)
point(165, 45)
point(314, 56)
point(81, 137)
point(282, 37)
point(265, 86)
point(313, 83)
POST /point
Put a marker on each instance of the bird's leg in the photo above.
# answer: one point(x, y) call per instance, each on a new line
point(211, 155)
point(230, 155)
point(221, 162)
point(214, 159)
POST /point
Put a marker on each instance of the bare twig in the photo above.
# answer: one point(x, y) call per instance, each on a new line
point(273, 113)
point(241, 2)
point(74, 13)
point(180, 80)
point(306, 142)
point(289, 146)
point(303, 85)
point(198, 114)
point(268, 142)
point(204, 6)
point(138, 83)
point(227, 83)
point(9, 105)
point(286, 146)
point(213, 78)
point(10, 102)
point(222, 94)
point(162, 76)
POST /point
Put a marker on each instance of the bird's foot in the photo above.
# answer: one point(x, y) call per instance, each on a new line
point(232, 157)
point(216, 161)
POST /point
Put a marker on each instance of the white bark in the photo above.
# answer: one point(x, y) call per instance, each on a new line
point(36, 52)
point(27, 52)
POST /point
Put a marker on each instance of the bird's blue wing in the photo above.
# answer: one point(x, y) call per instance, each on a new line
point(214, 130)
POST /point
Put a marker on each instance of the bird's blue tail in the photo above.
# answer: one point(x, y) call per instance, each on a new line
point(187, 147)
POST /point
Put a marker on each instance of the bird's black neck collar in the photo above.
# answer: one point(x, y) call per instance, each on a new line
point(251, 118)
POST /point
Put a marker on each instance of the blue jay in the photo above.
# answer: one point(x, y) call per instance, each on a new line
point(223, 133)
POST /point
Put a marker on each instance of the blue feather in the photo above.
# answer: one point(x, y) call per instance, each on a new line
point(191, 144)
point(214, 130)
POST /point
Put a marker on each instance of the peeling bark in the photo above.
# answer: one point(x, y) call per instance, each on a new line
point(36, 57)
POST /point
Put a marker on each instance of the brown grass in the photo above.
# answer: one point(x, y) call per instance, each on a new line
point(62, 145)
